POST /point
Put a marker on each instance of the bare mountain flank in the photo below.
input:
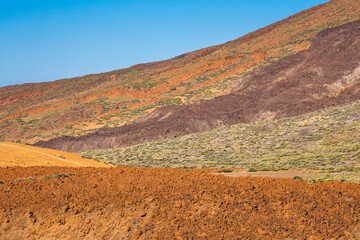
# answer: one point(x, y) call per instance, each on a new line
point(326, 74)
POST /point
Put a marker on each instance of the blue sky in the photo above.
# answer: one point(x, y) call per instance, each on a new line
point(46, 40)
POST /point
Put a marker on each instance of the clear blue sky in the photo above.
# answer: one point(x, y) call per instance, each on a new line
point(46, 40)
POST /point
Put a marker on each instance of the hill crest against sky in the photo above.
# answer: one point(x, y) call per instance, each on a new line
point(48, 40)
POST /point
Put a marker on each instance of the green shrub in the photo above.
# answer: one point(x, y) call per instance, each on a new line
point(297, 178)
point(265, 169)
point(58, 175)
point(251, 169)
point(225, 170)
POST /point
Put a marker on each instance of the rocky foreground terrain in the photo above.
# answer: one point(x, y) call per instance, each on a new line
point(135, 203)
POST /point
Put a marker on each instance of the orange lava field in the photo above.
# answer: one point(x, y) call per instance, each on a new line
point(134, 203)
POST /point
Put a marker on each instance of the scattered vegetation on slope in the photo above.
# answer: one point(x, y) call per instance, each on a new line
point(327, 140)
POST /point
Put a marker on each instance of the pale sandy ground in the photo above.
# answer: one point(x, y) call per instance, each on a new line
point(14, 154)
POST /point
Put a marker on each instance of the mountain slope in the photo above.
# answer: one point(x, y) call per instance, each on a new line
point(301, 83)
point(33, 112)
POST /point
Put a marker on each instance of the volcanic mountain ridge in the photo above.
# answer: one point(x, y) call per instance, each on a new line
point(77, 106)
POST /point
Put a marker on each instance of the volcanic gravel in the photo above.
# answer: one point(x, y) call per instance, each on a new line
point(135, 203)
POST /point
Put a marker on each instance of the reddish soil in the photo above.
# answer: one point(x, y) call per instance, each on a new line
point(291, 173)
point(294, 85)
point(134, 203)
